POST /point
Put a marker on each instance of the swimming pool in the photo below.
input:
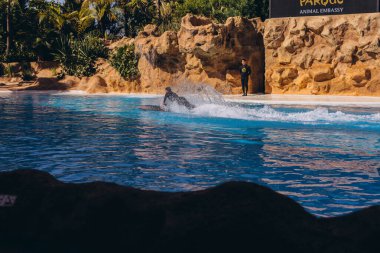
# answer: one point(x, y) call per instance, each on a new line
point(326, 158)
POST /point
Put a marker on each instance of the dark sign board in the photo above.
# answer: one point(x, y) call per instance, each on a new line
point(297, 8)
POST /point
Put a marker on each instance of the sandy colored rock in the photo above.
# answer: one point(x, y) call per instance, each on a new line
point(329, 55)
point(106, 80)
point(94, 84)
point(48, 83)
point(201, 52)
point(233, 79)
point(15, 79)
point(46, 68)
point(322, 72)
point(120, 43)
point(333, 55)
point(358, 77)
point(71, 81)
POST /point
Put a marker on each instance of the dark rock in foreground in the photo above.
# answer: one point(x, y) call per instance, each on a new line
point(40, 214)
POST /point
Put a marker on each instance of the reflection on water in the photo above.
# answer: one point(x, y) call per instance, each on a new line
point(330, 167)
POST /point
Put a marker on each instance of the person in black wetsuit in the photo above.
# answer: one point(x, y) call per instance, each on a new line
point(173, 97)
point(245, 72)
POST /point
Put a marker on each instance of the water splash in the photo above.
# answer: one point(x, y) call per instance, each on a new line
point(199, 93)
point(267, 113)
point(209, 103)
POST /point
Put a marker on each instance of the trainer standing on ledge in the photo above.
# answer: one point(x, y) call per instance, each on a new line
point(245, 72)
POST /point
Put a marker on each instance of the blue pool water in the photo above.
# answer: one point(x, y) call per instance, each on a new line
point(328, 159)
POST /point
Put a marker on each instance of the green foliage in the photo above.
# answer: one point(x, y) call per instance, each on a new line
point(8, 70)
point(169, 16)
point(18, 54)
point(27, 71)
point(135, 15)
point(94, 47)
point(220, 10)
point(125, 61)
point(37, 25)
point(104, 12)
point(77, 56)
point(59, 74)
point(256, 8)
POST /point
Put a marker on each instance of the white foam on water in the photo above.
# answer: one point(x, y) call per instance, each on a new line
point(267, 113)
point(210, 103)
point(314, 103)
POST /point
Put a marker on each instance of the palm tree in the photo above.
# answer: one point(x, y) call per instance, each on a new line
point(123, 6)
point(81, 20)
point(165, 14)
point(158, 4)
point(55, 15)
point(104, 13)
point(9, 31)
point(8, 48)
point(86, 17)
point(130, 9)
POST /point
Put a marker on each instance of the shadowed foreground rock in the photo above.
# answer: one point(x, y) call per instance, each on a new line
point(50, 216)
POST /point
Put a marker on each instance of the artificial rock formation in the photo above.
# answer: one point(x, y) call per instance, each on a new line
point(39, 214)
point(326, 55)
point(107, 80)
point(332, 55)
point(201, 52)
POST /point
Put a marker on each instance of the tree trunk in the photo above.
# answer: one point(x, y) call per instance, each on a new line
point(158, 7)
point(9, 32)
point(126, 27)
point(102, 29)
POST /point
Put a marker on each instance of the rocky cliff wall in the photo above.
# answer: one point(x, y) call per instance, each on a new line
point(334, 55)
point(329, 55)
point(201, 52)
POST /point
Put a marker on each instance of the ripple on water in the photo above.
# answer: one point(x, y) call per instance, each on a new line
point(326, 159)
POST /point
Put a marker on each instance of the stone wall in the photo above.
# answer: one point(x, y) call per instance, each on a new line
point(334, 55)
